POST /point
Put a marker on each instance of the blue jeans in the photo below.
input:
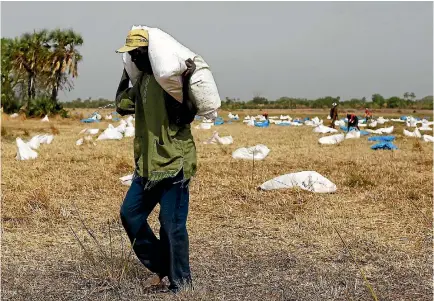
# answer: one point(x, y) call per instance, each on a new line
point(169, 255)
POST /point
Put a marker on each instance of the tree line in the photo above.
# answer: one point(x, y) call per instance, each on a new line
point(377, 101)
point(35, 67)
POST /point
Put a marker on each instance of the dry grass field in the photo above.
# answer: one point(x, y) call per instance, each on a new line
point(62, 238)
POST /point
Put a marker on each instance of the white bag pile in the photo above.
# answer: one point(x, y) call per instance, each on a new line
point(168, 58)
point(381, 120)
point(258, 152)
point(416, 133)
point(306, 180)
point(24, 151)
point(334, 139)
point(216, 139)
point(324, 129)
point(411, 121)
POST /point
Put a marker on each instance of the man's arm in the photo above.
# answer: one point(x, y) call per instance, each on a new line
point(182, 113)
point(124, 98)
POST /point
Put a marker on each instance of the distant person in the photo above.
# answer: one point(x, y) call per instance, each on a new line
point(334, 114)
point(368, 115)
point(353, 121)
point(265, 115)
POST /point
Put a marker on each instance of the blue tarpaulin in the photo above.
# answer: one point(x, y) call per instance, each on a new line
point(262, 124)
point(283, 124)
point(381, 138)
point(403, 117)
point(345, 128)
point(384, 145)
point(218, 121)
point(89, 120)
point(364, 133)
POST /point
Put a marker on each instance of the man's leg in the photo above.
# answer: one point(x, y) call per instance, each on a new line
point(173, 232)
point(136, 208)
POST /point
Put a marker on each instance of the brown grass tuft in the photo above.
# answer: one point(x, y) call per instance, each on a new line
point(54, 130)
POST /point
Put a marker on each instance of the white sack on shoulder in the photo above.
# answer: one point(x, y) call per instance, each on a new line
point(307, 180)
point(126, 180)
point(167, 57)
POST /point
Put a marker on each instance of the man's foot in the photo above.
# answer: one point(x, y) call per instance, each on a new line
point(153, 281)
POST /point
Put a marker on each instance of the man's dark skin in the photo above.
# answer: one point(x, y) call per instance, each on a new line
point(179, 113)
point(354, 122)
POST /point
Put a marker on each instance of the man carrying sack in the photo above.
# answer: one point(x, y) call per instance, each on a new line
point(165, 161)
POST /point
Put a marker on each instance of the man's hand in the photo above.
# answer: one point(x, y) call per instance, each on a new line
point(191, 67)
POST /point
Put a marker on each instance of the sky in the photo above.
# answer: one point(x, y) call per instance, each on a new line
point(269, 49)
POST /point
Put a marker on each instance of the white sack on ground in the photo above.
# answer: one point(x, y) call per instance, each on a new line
point(216, 139)
point(352, 135)
point(397, 120)
point(334, 139)
point(108, 117)
point(130, 130)
point(126, 180)
point(46, 139)
point(204, 126)
point(251, 122)
point(24, 151)
point(328, 117)
point(258, 152)
point(416, 133)
point(381, 120)
point(14, 115)
point(35, 142)
point(168, 58)
point(428, 138)
point(79, 141)
point(324, 129)
point(425, 127)
point(89, 131)
point(339, 123)
point(110, 134)
point(372, 124)
point(45, 119)
point(307, 180)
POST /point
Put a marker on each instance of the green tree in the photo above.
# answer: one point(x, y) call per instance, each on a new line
point(64, 59)
point(29, 54)
point(378, 100)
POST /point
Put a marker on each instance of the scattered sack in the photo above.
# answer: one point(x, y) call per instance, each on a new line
point(373, 124)
point(35, 142)
point(306, 180)
point(416, 133)
point(126, 180)
point(45, 119)
point(167, 57)
point(334, 139)
point(14, 115)
point(110, 133)
point(384, 145)
point(352, 135)
point(46, 139)
point(24, 151)
point(79, 141)
point(428, 138)
point(215, 139)
point(204, 126)
point(258, 152)
point(324, 129)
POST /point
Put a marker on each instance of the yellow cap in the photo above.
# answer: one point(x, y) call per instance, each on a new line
point(136, 38)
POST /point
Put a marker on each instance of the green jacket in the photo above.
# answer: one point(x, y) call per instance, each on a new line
point(161, 148)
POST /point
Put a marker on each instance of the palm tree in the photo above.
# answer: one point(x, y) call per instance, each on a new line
point(28, 55)
point(412, 96)
point(64, 59)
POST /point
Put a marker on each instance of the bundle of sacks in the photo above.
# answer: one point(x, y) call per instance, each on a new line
point(26, 151)
point(167, 57)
